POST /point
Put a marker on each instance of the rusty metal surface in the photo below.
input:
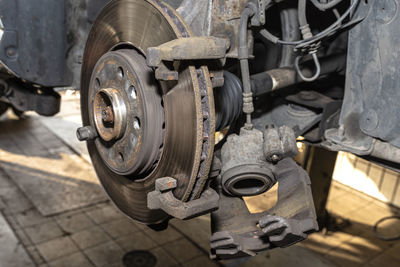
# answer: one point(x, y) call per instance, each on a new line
point(144, 24)
point(238, 233)
point(163, 198)
point(130, 143)
point(225, 22)
point(208, 113)
point(245, 171)
point(193, 48)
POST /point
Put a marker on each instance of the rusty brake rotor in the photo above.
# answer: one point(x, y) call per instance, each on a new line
point(146, 130)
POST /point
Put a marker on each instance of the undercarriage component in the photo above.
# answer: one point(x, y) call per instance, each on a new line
point(34, 42)
point(127, 112)
point(251, 164)
point(245, 171)
point(156, 84)
point(279, 143)
point(228, 101)
point(224, 22)
point(370, 106)
point(236, 232)
point(23, 97)
point(266, 82)
point(163, 198)
point(193, 48)
point(139, 121)
point(308, 113)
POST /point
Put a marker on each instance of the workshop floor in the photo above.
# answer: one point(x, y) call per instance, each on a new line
point(54, 212)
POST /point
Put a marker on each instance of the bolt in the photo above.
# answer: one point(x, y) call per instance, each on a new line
point(86, 133)
point(275, 158)
point(107, 114)
point(165, 184)
point(369, 120)
point(308, 95)
point(11, 51)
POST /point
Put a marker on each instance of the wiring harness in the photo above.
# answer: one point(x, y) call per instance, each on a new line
point(255, 13)
point(308, 45)
point(301, 44)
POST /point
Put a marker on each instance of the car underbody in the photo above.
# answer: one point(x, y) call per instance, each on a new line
point(190, 106)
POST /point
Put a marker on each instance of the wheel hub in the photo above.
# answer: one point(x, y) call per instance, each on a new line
point(129, 141)
point(109, 114)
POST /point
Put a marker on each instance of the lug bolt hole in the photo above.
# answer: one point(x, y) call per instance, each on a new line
point(120, 72)
point(136, 124)
point(134, 139)
point(132, 92)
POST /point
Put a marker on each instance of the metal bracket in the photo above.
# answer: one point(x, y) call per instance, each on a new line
point(162, 73)
point(23, 97)
point(279, 143)
point(163, 198)
point(192, 48)
point(238, 233)
point(258, 6)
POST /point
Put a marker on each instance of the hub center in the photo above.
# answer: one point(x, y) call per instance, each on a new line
point(126, 112)
point(110, 113)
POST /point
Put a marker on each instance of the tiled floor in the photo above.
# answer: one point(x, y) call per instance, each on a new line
point(99, 235)
point(356, 245)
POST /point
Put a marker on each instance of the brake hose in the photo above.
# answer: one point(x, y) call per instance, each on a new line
point(243, 53)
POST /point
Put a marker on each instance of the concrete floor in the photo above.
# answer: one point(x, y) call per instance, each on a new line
point(54, 213)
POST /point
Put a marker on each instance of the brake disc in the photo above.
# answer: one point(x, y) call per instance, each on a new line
point(146, 130)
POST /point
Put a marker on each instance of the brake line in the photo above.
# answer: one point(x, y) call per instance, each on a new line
point(243, 53)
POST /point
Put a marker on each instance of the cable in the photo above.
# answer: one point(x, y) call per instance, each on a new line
point(317, 67)
point(325, 6)
point(375, 229)
point(302, 13)
point(335, 26)
point(303, 43)
point(307, 34)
